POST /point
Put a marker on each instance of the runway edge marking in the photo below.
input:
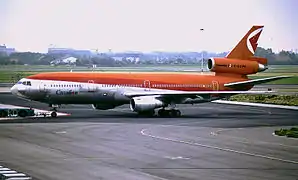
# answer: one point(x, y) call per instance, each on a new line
point(217, 148)
point(256, 104)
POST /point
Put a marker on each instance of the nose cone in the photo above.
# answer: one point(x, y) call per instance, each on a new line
point(14, 90)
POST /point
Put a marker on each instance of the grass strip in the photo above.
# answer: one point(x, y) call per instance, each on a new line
point(288, 100)
point(292, 132)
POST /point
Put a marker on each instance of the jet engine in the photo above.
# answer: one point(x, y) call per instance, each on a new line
point(145, 103)
point(103, 106)
point(235, 66)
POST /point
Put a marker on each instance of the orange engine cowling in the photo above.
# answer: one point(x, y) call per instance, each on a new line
point(235, 66)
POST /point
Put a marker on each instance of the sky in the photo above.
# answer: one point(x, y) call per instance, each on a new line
point(146, 25)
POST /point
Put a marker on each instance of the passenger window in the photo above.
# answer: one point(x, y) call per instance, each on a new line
point(28, 83)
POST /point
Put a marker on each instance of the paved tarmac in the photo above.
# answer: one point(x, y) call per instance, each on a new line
point(210, 141)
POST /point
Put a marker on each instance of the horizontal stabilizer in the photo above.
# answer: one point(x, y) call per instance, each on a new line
point(254, 81)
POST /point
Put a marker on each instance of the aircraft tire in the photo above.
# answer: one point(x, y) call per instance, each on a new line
point(163, 113)
point(175, 113)
point(178, 113)
point(169, 113)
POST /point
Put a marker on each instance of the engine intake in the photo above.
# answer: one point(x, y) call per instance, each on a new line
point(235, 66)
point(145, 103)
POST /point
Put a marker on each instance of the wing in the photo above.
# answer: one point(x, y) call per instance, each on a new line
point(254, 81)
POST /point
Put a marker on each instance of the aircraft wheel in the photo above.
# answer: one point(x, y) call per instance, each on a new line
point(175, 113)
point(178, 113)
point(54, 114)
point(163, 113)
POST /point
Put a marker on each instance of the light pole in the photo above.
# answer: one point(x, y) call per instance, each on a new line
point(202, 53)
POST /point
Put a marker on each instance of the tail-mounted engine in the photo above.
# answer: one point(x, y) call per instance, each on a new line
point(236, 66)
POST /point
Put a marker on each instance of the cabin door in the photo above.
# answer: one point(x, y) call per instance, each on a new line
point(91, 86)
point(42, 86)
point(147, 85)
point(215, 85)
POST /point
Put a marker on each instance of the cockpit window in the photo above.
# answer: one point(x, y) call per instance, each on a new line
point(26, 83)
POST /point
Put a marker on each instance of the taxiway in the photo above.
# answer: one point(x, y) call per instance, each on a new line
point(210, 141)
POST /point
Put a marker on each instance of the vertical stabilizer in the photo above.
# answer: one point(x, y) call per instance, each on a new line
point(246, 48)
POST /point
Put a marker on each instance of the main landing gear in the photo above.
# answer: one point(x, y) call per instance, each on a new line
point(169, 113)
point(161, 113)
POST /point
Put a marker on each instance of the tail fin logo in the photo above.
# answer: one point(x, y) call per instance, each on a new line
point(252, 40)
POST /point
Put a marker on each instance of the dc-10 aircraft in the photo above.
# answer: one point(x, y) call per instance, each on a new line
point(147, 91)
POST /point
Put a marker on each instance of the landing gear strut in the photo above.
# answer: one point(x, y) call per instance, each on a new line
point(169, 113)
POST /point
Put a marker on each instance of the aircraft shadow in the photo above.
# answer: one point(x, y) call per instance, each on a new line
point(218, 120)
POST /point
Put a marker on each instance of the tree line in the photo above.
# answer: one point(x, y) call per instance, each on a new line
point(281, 58)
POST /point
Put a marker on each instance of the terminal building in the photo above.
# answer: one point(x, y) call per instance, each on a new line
point(6, 51)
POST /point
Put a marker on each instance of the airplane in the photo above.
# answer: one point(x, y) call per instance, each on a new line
point(147, 91)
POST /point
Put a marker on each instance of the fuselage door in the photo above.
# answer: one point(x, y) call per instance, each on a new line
point(147, 85)
point(91, 86)
point(42, 86)
point(215, 85)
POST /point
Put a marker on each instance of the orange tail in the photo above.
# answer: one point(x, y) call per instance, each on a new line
point(246, 48)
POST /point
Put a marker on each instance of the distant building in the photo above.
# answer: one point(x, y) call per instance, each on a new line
point(6, 51)
point(59, 50)
point(69, 51)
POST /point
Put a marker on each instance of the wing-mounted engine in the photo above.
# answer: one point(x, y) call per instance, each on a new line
point(236, 66)
point(145, 103)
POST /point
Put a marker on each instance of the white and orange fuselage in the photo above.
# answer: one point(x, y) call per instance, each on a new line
point(97, 87)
